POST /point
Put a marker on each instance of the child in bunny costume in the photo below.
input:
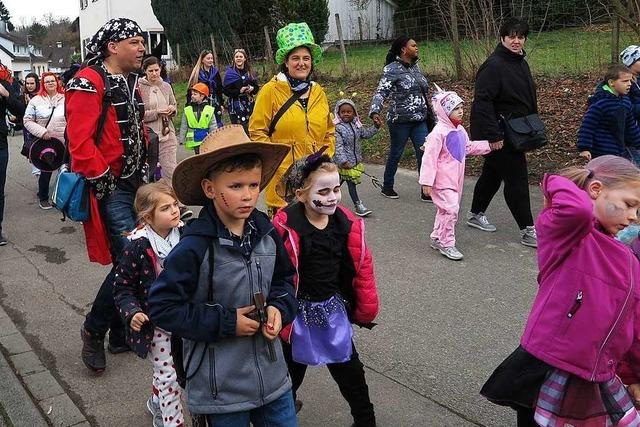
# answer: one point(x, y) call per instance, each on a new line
point(442, 171)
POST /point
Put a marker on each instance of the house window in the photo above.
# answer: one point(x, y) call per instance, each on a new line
point(155, 39)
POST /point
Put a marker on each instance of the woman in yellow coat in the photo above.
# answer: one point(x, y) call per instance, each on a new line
point(307, 124)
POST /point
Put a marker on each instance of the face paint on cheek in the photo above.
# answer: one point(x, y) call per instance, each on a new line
point(224, 200)
point(612, 210)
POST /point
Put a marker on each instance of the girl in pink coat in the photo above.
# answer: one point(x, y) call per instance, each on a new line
point(581, 341)
point(442, 171)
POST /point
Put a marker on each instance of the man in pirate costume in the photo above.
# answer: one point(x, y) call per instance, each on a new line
point(112, 157)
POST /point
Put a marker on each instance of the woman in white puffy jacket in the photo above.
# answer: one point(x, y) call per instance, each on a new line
point(49, 102)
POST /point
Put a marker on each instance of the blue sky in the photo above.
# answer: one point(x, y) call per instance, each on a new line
point(25, 9)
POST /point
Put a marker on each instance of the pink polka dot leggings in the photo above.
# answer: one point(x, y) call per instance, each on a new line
point(165, 380)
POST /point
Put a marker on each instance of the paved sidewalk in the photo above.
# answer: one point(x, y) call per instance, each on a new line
point(29, 395)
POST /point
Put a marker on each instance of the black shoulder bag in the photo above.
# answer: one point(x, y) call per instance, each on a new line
point(526, 133)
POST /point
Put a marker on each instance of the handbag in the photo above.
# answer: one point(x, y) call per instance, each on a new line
point(525, 133)
point(71, 193)
point(71, 196)
point(30, 140)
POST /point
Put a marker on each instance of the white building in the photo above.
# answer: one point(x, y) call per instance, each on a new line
point(361, 20)
point(18, 57)
point(95, 13)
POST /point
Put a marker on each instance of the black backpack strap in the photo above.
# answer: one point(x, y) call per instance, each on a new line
point(106, 102)
point(282, 110)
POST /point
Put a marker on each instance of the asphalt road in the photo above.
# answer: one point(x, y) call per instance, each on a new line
point(443, 327)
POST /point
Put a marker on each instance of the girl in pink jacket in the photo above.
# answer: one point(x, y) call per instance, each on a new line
point(335, 284)
point(442, 171)
point(580, 344)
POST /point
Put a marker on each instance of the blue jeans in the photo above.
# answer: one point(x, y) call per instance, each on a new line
point(279, 413)
point(118, 215)
point(4, 163)
point(400, 133)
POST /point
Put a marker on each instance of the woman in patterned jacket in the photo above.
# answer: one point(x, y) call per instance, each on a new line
point(409, 115)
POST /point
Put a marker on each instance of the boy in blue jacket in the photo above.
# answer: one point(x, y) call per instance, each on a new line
point(609, 126)
point(206, 294)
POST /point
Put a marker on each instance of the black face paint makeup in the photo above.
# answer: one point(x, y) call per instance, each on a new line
point(317, 203)
point(224, 200)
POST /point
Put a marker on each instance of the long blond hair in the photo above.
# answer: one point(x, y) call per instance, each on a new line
point(193, 78)
point(612, 171)
point(147, 197)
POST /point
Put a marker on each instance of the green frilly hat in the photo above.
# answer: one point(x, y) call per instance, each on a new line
point(296, 35)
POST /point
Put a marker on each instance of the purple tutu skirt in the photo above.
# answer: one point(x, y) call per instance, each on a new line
point(321, 333)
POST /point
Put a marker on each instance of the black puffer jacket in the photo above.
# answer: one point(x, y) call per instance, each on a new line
point(504, 87)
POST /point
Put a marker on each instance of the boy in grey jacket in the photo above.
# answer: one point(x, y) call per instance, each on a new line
point(348, 154)
point(207, 292)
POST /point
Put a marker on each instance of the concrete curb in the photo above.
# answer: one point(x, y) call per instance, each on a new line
point(33, 397)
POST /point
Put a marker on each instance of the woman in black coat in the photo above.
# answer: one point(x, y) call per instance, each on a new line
point(504, 88)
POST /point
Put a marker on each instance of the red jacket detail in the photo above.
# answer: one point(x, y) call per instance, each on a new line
point(83, 110)
point(367, 303)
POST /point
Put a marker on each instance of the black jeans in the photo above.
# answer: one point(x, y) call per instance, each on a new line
point(43, 185)
point(525, 417)
point(4, 163)
point(511, 167)
point(118, 215)
point(350, 379)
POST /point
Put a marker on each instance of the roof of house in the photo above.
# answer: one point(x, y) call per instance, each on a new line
point(21, 57)
point(58, 57)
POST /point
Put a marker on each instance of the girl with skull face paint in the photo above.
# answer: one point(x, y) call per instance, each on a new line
point(335, 285)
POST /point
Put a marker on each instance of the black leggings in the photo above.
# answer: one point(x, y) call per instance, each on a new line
point(511, 167)
point(350, 379)
point(525, 417)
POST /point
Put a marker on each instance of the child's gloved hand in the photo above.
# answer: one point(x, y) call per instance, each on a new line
point(138, 320)
point(274, 323)
point(245, 326)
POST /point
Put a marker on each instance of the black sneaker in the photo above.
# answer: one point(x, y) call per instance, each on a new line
point(426, 199)
point(3, 240)
point(389, 193)
point(45, 205)
point(93, 355)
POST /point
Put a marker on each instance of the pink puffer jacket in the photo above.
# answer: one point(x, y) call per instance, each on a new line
point(366, 304)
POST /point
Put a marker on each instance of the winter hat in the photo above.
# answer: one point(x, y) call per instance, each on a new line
point(336, 111)
point(450, 101)
point(201, 88)
point(296, 35)
point(630, 55)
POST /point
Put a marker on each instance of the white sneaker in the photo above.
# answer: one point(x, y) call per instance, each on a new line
point(480, 222)
point(529, 237)
point(452, 253)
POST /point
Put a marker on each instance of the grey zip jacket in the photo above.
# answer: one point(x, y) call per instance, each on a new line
point(225, 373)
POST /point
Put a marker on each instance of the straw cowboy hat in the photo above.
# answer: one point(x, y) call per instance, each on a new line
point(228, 141)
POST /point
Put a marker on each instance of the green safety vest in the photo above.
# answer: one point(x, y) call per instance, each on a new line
point(199, 127)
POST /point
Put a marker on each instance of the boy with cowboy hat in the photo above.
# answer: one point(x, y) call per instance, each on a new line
point(206, 292)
